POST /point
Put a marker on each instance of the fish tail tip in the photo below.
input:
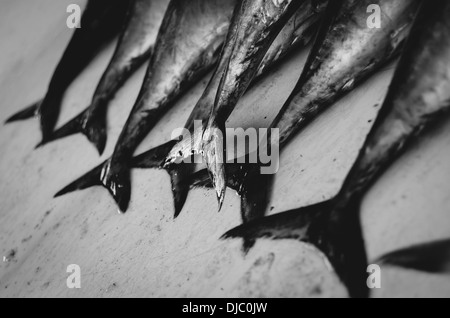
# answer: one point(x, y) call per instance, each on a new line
point(233, 233)
point(63, 192)
point(220, 200)
point(90, 179)
point(24, 114)
point(40, 145)
point(179, 177)
point(123, 204)
point(117, 181)
point(178, 204)
point(247, 245)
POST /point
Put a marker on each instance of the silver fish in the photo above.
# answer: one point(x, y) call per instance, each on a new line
point(134, 47)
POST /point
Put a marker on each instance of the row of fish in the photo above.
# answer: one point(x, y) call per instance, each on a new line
point(241, 40)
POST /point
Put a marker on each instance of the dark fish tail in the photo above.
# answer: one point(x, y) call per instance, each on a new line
point(337, 235)
point(91, 123)
point(431, 257)
point(179, 173)
point(113, 177)
point(179, 177)
point(154, 158)
point(26, 113)
point(91, 179)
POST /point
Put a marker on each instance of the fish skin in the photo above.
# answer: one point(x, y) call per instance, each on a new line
point(187, 47)
point(312, 94)
point(133, 49)
point(101, 22)
point(297, 33)
point(432, 257)
point(333, 226)
point(260, 22)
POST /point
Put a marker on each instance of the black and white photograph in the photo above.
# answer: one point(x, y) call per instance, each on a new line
point(226, 154)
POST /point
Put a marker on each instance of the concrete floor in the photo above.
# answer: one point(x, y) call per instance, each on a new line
point(145, 252)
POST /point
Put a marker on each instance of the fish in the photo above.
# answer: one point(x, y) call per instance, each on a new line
point(133, 49)
point(101, 21)
point(188, 46)
point(345, 53)
point(417, 98)
point(260, 22)
point(297, 33)
point(431, 257)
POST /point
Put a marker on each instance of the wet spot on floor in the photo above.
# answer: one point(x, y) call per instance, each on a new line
point(25, 240)
point(10, 257)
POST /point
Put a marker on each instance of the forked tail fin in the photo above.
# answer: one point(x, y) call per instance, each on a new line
point(179, 173)
point(91, 123)
point(114, 177)
point(336, 234)
point(27, 113)
point(430, 257)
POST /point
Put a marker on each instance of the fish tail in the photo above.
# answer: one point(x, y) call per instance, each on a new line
point(179, 177)
point(91, 123)
point(154, 158)
point(201, 179)
point(431, 258)
point(337, 236)
point(27, 113)
point(179, 173)
point(213, 152)
point(114, 177)
point(91, 179)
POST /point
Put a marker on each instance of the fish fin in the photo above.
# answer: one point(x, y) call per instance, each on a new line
point(201, 179)
point(213, 152)
point(115, 178)
point(91, 179)
point(27, 113)
point(287, 225)
point(179, 173)
point(154, 158)
point(89, 123)
point(180, 180)
point(430, 257)
point(337, 235)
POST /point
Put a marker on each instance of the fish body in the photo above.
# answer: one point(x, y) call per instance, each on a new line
point(418, 95)
point(188, 45)
point(101, 22)
point(133, 49)
point(299, 30)
point(345, 53)
point(258, 24)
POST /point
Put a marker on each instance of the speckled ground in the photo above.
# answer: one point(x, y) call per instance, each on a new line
point(147, 253)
